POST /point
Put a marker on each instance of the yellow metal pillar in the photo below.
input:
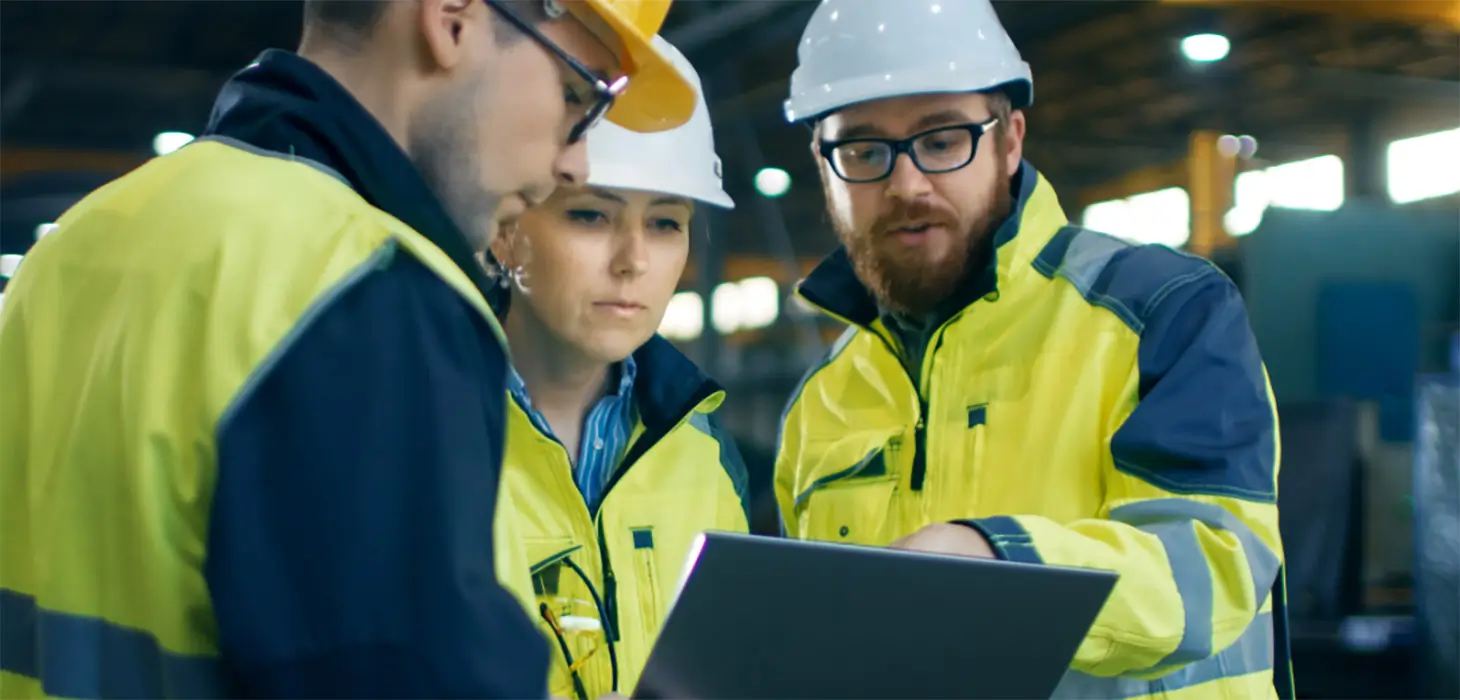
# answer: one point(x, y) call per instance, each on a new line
point(1210, 177)
point(1418, 12)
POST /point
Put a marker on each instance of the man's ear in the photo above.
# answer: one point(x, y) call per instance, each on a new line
point(447, 25)
point(1014, 140)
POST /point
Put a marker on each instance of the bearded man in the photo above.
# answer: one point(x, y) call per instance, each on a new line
point(1017, 387)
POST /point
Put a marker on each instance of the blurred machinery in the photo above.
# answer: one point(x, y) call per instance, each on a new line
point(1437, 531)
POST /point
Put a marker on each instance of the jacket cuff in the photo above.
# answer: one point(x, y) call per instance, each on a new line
point(1009, 540)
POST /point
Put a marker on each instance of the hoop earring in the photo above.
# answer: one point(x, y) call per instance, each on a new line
point(520, 277)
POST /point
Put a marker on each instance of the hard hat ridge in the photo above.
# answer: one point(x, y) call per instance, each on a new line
point(858, 50)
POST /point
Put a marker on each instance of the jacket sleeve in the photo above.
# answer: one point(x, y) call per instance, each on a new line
point(350, 549)
point(1190, 516)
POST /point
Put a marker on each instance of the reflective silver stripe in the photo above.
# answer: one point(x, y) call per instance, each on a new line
point(1251, 653)
point(1174, 521)
point(1194, 584)
point(1262, 562)
point(1087, 256)
point(244, 146)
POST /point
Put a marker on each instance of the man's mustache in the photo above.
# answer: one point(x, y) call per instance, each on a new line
point(919, 210)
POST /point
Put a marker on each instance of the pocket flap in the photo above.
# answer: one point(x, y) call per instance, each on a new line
point(872, 466)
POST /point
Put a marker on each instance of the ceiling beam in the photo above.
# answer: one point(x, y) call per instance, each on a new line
point(1375, 86)
point(707, 28)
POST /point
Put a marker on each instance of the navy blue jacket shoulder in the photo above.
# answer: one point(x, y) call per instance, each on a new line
point(350, 549)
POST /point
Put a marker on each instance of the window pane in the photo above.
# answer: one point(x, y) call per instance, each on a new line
point(1315, 184)
point(1163, 217)
point(1424, 166)
point(684, 318)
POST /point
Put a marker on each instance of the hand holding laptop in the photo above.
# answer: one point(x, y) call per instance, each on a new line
point(947, 538)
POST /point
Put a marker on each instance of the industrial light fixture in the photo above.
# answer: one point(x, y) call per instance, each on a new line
point(1205, 47)
point(772, 182)
point(169, 141)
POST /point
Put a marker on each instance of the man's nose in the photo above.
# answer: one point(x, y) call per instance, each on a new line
point(907, 181)
point(571, 166)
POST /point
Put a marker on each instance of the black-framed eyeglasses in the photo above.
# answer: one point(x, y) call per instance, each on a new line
point(605, 91)
point(940, 150)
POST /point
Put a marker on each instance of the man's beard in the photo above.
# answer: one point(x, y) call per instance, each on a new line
point(904, 280)
point(443, 144)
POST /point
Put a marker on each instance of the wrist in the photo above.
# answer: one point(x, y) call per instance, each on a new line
point(1006, 537)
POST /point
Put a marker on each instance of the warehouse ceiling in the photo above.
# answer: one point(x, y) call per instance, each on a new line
point(1114, 95)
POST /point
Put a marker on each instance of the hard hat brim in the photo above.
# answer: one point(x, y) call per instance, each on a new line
point(626, 177)
point(813, 105)
point(658, 97)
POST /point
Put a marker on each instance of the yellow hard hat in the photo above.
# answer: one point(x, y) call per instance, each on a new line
point(658, 97)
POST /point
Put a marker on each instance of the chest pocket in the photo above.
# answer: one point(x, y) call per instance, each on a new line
point(646, 569)
point(853, 506)
point(960, 482)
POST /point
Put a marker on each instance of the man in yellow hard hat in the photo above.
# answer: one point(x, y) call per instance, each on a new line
point(254, 403)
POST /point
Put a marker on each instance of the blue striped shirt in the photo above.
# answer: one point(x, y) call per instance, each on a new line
point(606, 431)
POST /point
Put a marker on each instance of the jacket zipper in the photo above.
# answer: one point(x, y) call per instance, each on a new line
point(610, 586)
point(920, 434)
point(920, 459)
point(920, 437)
point(920, 443)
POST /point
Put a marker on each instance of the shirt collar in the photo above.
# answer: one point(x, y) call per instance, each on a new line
point(628, 371)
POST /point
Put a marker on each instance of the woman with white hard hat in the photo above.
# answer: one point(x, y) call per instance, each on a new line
point(614, 463)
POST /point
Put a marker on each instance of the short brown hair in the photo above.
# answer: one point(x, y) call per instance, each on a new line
point(1000, 108)
point(343, 21)
point(351, 22)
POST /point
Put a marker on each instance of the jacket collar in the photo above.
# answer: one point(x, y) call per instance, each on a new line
point(834, 287)
point(668, 389)
point(668, 385)
point(286, 104)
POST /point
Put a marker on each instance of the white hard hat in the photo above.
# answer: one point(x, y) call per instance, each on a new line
point(859, 50)
point(681, 161)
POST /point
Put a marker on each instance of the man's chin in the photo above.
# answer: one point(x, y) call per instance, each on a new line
point(913, 287)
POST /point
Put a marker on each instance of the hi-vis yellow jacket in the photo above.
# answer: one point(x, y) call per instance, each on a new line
point(594, 577)
point(1098, 405)
point(250, 427)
